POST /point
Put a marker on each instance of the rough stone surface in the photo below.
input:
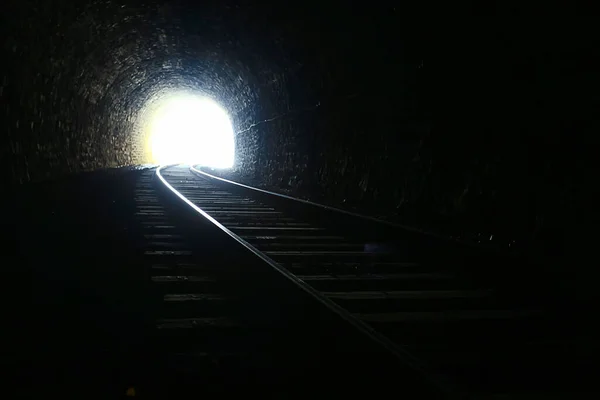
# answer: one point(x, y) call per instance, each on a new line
point(481, 126)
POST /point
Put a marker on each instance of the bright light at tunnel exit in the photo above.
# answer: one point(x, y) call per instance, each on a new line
point(189, 129)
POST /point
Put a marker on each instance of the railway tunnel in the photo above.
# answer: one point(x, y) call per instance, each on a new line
point(478, 132)
point(330, 104)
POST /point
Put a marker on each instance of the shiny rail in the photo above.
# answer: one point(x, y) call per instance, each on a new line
point(468, 320)
point(364, 328)
point(224, 319)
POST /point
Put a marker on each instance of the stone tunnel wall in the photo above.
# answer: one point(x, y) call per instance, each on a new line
point(471, 127)
point(480, 133)
point(77, 77)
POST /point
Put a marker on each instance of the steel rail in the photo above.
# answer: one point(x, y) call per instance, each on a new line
point(408, 229)
point(393, 348)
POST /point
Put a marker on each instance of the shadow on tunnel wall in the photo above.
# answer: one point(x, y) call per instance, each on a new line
point(481, 133)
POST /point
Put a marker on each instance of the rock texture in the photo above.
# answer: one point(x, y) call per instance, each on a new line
point(479, 126)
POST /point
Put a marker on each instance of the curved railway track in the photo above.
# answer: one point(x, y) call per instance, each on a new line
point(226, 321)
point(470, 322)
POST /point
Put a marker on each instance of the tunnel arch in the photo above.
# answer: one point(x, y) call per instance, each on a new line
point(216, 75)
point(98, 65)
point(330, 103)
point(297, 96)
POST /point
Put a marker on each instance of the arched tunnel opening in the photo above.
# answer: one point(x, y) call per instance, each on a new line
point(103, 69)
point(185, 127)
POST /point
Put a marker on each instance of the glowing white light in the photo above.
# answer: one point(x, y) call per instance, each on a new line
point(189, 129)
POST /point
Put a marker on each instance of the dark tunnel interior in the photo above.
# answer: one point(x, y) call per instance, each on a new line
point(473, 124)
point(478, 124)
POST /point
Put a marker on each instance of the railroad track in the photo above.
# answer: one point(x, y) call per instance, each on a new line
point(226, 321)
point(444, 312)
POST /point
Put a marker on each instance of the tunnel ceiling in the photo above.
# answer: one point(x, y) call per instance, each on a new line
point(377, 107)
point(79, 73)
